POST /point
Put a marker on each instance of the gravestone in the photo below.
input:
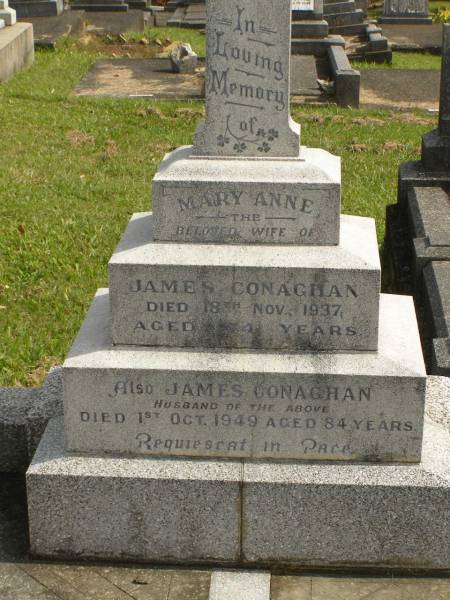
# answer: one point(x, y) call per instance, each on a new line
point(103, 5)
point(37, 8)
point(434, 167)
point(408, 12)
point(187, 13)
point(418, 226)
point(7, 14)
point(206, 347)
point(16, 43)
point(436, 143)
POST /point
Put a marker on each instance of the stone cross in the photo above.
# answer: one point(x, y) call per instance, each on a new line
point(444, 101)
point(247, 81)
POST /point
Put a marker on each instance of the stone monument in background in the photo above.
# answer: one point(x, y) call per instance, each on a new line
point(37, 8)
point(16, 43)
point(405, 12)
point(244, 321)
point(418, 230)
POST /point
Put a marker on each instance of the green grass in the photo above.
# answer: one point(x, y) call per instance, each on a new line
point(73, 171)
point(404, 60)
point(176, 34)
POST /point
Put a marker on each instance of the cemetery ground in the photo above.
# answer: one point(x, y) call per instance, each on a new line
point(77, 168)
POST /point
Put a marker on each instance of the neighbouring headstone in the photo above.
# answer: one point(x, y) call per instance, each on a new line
point(159, 371)
point(405, 12)
point(104, 5)
point(16, 43)
point(418, 226)
point(436, 143)
point(7, 14)
point(37, 8)
point(436, 276)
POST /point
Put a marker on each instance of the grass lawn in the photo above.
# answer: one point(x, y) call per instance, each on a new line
point(404, 60)
point(73, 170)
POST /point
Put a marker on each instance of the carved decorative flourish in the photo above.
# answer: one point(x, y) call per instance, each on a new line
point(262, 139)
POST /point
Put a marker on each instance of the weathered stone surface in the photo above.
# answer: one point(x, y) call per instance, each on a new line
point(247, 81)
point(245, 200)
point(37, 8)
point(231, 585)
point(441, 357)
point(436, 276)
point(246, 296)
point(414, 174)
point(16, 49)
point(436, 143)
point(292, 514)
point(412, 9)
point(444, 99)
point(24, 413)
point(429, 214)
point(142, 401)
point(351, 515)
point(132, 509)
point(346, 79)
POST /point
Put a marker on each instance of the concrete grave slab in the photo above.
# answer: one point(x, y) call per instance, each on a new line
point(48, 30)
point(231, 585)
point(138, 78)
point(419, 37)
point(396, 87)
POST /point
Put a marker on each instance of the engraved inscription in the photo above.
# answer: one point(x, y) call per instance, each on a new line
point(407, 7)
point(261, 416)
point(240, 308)
point(233, 213)
point(247, 83)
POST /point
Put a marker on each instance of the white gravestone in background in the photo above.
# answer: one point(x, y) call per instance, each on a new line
point(302, 4)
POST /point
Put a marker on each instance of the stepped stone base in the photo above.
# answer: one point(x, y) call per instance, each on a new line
point(310, 29)
point(405, 20)
point(185, 511)
point(413, 173)
point(37, 8)
point(214, 404)
point(245, 295)
point(314, 46)
point(242, 200)
point(16, 49)
point(103, 7)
